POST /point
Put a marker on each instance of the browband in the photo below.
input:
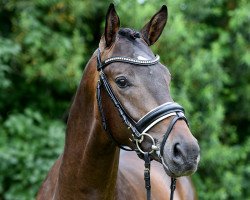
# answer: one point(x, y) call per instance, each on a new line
point(102, 65)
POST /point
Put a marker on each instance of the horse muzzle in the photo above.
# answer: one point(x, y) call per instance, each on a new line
point(181, 158)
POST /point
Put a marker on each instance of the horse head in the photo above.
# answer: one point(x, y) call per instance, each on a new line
point(135, 103)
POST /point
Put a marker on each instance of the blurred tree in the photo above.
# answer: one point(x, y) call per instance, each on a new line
point(44, 46)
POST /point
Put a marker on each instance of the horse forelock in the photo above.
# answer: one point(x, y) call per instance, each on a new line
point(128, 43)
point(129, 33)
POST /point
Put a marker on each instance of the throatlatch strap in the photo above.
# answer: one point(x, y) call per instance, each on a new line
point(99, 102)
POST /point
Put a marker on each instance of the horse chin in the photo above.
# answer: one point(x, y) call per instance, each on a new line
point(176, 171)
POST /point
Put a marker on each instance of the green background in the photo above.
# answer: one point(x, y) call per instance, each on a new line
point(45, 44)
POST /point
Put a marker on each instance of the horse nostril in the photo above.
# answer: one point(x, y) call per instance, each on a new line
point(184, 152)
point(176, 150)
point(179, 154)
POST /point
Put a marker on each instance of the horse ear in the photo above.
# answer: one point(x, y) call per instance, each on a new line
point(112, 25)
point(153, 29)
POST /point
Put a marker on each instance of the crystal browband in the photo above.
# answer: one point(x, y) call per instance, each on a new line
point(129, 60)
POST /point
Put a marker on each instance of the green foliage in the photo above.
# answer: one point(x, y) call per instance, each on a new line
point(44, 45)
point(29, 145)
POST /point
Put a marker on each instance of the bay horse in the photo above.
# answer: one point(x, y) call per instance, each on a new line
point(123, 100)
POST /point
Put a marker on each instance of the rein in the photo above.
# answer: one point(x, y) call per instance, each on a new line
point(139, 129)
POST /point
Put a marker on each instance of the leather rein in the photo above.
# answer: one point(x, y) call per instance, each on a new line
point(139, 129)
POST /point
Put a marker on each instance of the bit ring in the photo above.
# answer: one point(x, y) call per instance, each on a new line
point(140, 141)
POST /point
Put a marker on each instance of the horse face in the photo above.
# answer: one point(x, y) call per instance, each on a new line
point(140, 89)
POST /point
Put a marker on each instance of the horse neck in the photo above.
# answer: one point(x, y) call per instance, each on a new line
point(90, 161)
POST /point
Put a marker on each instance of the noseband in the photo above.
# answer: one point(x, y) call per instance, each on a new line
point(139, 129)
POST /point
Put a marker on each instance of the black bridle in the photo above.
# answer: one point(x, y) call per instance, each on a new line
point(139, 129)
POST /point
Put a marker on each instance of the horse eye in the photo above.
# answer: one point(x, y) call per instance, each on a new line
point(122, 82)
